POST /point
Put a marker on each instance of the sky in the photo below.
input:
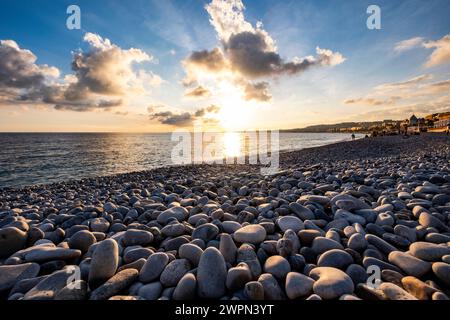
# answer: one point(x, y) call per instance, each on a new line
point(157, 66)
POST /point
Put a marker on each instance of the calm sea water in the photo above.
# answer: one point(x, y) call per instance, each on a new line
point(40, 158)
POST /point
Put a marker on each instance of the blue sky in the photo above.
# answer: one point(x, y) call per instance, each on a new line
point(170, 31)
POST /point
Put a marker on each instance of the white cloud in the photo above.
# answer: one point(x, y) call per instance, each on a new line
point(102, 78)
point(246, 53)
point(408, 44)
point(441, 52)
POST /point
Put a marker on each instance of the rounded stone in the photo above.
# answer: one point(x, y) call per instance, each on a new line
point(331, 283)
point(254, 234)
point(151, 291)
point(47, 253)
point(190, 252)
point(135, 237)
point(238, 276)
point(228, 248)
point(11, 240)
point(357, 242)
point(12, 274)
point(442, 271)
point(357, 273)
point(409, 264)
point(153, 267)
point(104, 263)
point(211, 274)
point(272, 290)
point(384, 219)
point(186, 288)
point(428, 251)
point(177, 212)
point(47, 288)
point(290, 222)
point(418, 288)
point(82, 240)
point(174, 271)
point(322, 244)
point(206, 232)
point(429, 221)
point(76, 290)
point(277, 266)
point(173, 230)
point(298, 285)
point(335, 258)
point(254, 290)
point(301, 211)
point(394, 292)
point(116, 284)
point(136, 254)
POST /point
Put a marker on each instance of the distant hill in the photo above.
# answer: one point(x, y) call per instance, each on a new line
point(338, 127)
point(389, 125)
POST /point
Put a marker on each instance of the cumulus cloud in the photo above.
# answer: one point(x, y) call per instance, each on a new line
point(246, 52)
point(102, 77)
point(198, 92)
point(441, 52)
point(20, 76)
point(408, 44)
point(105, 69)
point(257, 91)
point(183, 119)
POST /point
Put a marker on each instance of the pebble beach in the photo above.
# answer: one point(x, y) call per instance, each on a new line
point(313, 231)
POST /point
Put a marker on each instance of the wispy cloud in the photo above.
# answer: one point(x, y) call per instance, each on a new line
point(389, 94)
point(407, 84)
point(441, 52)
point(408, 44)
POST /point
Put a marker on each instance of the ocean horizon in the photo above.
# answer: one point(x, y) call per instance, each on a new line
point(43, 158)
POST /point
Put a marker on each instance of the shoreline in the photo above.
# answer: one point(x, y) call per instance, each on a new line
point(286, 158)
point(226, 232)
point(153, 169)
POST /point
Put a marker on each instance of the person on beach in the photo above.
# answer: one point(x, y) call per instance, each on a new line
point(353, 136)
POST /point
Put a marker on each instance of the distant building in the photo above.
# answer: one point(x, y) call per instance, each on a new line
point(413, 121)
point(442, 124)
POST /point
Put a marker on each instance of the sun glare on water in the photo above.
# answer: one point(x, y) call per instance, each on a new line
point(232, 144)
point(235, 113)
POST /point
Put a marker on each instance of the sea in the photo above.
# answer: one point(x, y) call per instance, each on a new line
point(43, 158)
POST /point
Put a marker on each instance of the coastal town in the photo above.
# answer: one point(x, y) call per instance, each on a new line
point(437, 122)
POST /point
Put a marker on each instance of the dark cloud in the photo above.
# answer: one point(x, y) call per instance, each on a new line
point(198, 92)
point(247, 53)
point(257, 91)
point(18, 68)
point(102, 77)
point(179, 120)
point(213, 60)
point(21, 79)
point(89, 106)
point(184, 119)
point(251, 55)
